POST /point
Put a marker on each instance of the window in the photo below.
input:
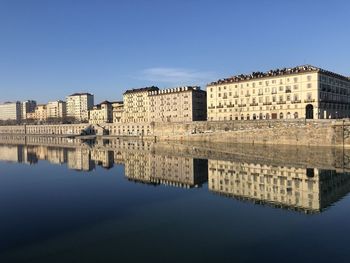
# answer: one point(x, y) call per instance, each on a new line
point(309, 78)
point(309, 85)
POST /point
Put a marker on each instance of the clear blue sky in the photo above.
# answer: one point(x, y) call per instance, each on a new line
point(49, 49)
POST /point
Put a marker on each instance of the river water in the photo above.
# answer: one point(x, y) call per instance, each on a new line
point(64, 200)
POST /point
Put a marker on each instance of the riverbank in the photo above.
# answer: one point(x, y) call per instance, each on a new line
point(267, 132)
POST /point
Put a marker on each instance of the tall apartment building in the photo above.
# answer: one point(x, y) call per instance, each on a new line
point(79, 104)
point(168, 105)
point(56, 109)
point(301, 92)
point(179, 104)
point(137, 104)
point(101, 113)
point(10, 111)
point(28, 106)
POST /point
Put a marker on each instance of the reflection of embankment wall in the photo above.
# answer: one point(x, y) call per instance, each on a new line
point(290, 132)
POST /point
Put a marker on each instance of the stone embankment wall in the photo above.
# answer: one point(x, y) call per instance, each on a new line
point(275, 132)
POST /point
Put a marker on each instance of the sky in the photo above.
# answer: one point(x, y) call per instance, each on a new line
point(50, 49)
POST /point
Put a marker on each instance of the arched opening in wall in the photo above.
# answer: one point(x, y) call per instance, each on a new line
point(254, 116)
point(248, 117)
point(288, 115)
point(310, 172)
point(309, 111)
point(242, 117)
point(281, 115)
point(267, 116)
point(296, 115)
point(260, 116)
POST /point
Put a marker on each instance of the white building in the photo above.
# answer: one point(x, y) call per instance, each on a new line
point(56, 109)
point(10, 111)
point(78, 106)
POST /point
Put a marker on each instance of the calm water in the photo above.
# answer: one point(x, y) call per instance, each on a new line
point(112, 201)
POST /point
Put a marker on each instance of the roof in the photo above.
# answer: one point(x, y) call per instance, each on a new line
point(276, 73)
point(152, 88)
point(81, 94)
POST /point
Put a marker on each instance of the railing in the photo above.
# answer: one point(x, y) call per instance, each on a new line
point(242, 105)
point(253, 104)
point(230, 106)
point(296, 101)
point(267, 103)
point(281, 102)
point(288, 91)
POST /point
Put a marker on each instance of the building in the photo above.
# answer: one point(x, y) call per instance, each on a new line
point(27, 107)
point(137, 104)
point(56, 109)
point(303, 189)
point(78, 106)
point(40, 113)
point(101, 113)
point(179, 104)
point(301, 92)
point(118, 111)
point(10, 111)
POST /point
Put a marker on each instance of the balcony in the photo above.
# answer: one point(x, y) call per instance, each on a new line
point(288, 91)
point(309, 100)
point(236, 96)
point(219, 106)
point(242, 105)
point(247, 95)
point(253, 104)
point(212, 107)
point(274, 92)
point(230, 106)
point(296, 101)
point(281, 102)
point(267, 103)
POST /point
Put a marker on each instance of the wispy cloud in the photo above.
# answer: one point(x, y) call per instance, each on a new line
point(176, 76)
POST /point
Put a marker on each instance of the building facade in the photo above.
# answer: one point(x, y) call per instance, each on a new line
point(118, 111)
point(137, 104)
point(56, 109)
point(40, 113)
point(78, 106)
point(181, 104)
point(10, 111)
point(27, 107)
point(101, 113)
point(300, 92)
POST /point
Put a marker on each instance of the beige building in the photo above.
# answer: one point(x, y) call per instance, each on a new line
point(300, 92)
point(118, 111)
point(56, 109)
point(181, 104)
point(296, 188)
point(137, 104)
point(78, 106)
point(101, 113)
point(10, 111)
point(40, 113)
point(27, 107)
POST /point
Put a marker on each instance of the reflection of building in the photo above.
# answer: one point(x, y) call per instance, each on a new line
point(78, 106)
point(164, 169)
point(103, 157)
point(79, 159)
point(300, 92)
point(305, 189)
point(9, 153)
point(10, 111)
